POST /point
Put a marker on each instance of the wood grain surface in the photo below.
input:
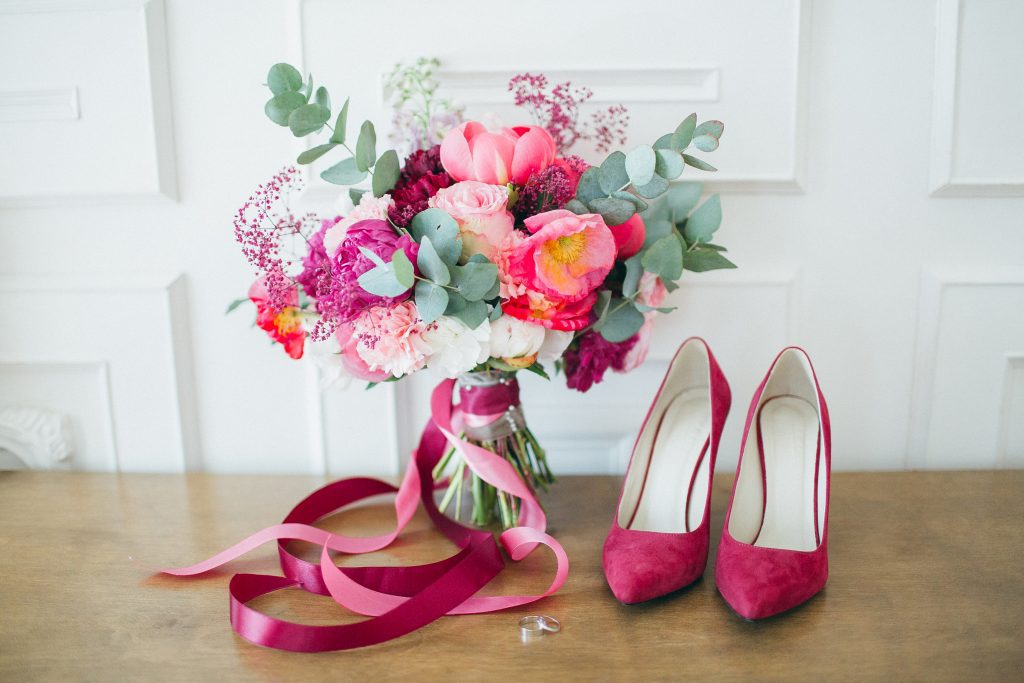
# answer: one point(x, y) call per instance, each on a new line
point(927, 582)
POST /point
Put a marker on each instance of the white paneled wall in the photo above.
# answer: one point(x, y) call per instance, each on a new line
point(873, 171)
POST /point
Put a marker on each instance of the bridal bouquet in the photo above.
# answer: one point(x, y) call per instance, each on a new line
point(483, 252)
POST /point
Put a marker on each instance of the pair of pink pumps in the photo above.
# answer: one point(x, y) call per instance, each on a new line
point(773, 554)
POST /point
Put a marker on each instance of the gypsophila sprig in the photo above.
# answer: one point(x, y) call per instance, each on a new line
point(421, 117)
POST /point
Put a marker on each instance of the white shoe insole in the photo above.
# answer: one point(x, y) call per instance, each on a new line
point(681, 438)
point(789, 437)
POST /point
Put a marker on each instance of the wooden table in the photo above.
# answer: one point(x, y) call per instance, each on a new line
point(927, 582)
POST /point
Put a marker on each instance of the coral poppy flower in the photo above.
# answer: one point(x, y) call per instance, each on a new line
point(282, 325)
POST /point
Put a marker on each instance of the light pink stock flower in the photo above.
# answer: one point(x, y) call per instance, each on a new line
point(481, 210)
point(471, 152)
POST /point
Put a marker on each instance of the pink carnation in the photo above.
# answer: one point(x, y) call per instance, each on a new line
point(389, 339)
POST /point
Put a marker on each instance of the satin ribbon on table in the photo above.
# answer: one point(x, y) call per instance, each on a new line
point(398, 600)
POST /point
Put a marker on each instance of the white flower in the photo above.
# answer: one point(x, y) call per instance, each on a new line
point(369, 207)
point(555, 343)
point(326, 355)
point(515, 338)
point(452, 348)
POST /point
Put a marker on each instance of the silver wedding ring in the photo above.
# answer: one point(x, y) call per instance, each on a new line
point(536, 626)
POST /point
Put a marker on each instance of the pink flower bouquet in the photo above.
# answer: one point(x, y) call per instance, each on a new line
point(490, 252)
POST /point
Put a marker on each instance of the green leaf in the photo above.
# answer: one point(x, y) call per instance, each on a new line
point(283, 78)
point(442, 230)
point(622, 322)
point(640, 165)
point(280, 107)
point(705, 143)
point(614, 211)
point(495, 312)
point(474, 280)
point(684, 133)
point(307, 90)
point(339, 125)
point(664, 142)
point(702, 260)
point(576, 206)
point(382, 281)
point(680, 200)
point(372, 255)
point(633, 272)
point(701, 225)
point(713, 247)
point(538, 369)
point(456, 302)
point(314, 153)
point(660, 309)
point(589, 186)
point(323, 99)
point(344, 173)
point(235, 304)
point(366, 146)
point(612, 175)
point(430, 264)
point(640, 204)
point(355, 195)
point(669, 164)
point(431, 300)
point(600, 310)
point(385, 173)
point(402, 266)
point(307, 119)
point(654, 188)
point(712, 128)
point(664, 258)
point(697, 163)
point(655, 229)
point(473, 314)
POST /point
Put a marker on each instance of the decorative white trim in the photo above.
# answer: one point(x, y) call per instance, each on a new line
point(1014, 365)
point(153, 23)
point(933, 288)
point(942, 181)
point(41, 104)
point(40, 439)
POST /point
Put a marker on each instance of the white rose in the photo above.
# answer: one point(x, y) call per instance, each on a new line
point(515, 338)
point(452, 348)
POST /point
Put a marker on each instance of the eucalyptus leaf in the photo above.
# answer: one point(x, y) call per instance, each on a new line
point(430, 264)
point(355, 195)
point(402, 266)
point(307, 90)
point(235, 304)
point(456, 302)
point(655, 229)
point(664, 258)
point(600, 309)
point(339, 125)
point(653, 189)
point(622, 321)
point(640, 165)
point(538, 369)
point(431, 300)
point(697, 163)
point(633, 272)
point(705, 143)
point(660, 309)
point(442, 230)
point(704, 221)
point(702, 260)
point(474, 280)
point(638, 203)
point(323, 98)
point(314, 153)
point(344, 173)
point(669, 164)
point(589, 186)
point(684, 133)
point(372, 255)
point(680, 200)
point(473, 314)
point(612, 175)
point(712, 128)
point(576, 206)
point(280, 107)
point(614, 211)
point(495, 312)
point(366, 146)
point(382, 281)
point(385, 173)
point(664, 142)
point(307, 119)
point(713, 247)
point(283, 78)
point(493, 292)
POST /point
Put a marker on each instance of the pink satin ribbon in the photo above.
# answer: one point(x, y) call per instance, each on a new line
point(398, 600)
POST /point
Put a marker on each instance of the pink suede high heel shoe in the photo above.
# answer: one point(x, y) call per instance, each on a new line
point(774, 550)
point(658, 541)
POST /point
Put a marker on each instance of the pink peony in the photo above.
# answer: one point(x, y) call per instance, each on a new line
point(347, 299)
point(369, 207)
point(389, 339)
point(629, 236)
point(471, 152)
point(481, 210)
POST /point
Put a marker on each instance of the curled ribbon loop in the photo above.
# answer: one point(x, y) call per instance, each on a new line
point(398, 600)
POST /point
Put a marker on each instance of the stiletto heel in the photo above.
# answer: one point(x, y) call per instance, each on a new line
point(774, 550)
point(658, 542)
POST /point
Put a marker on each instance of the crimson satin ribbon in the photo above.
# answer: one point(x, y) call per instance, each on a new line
point(399, 600)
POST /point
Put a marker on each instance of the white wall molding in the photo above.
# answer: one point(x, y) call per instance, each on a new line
point(1011, 413)
point(39, 104)
point(40, 439)
point(943, 180)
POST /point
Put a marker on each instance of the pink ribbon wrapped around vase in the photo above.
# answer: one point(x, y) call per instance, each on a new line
point(398, 600)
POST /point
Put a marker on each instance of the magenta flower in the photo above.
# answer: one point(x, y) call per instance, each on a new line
point(315, 277)
point(586, 364)
point(420, 179)
point(347, 299)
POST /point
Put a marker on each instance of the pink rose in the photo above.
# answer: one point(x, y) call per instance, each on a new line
point(629, 236)
point(651, 290)
point(481, 210)
point(471, 152)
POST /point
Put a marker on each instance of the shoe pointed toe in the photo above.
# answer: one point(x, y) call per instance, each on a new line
point(643, 565)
